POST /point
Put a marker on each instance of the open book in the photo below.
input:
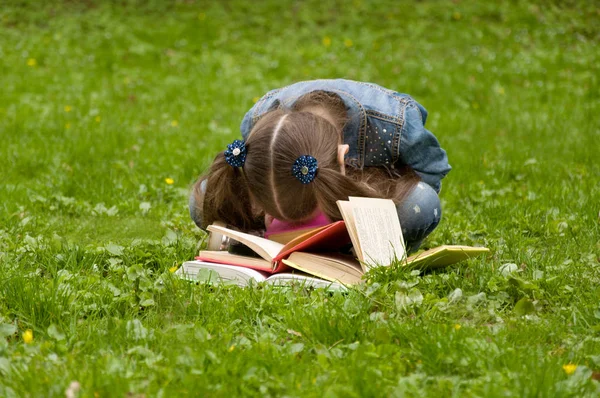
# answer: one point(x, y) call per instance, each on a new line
point(374, 229)
point(370, 224)
point(313, 253)
point(376, 235)
point(242, 276)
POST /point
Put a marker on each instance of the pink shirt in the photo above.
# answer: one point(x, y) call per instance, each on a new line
point(278, 226)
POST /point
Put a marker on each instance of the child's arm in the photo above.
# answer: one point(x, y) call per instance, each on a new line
point(420, 149)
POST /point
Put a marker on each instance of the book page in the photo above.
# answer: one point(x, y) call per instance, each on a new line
point(378, 230)
point(348, 216)
point(332, 267)
point(304, 236)
point(216, 273)
point(265, 248)
point(286, 237)
point(443, 256)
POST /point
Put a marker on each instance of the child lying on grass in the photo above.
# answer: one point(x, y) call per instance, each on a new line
point(309, 144)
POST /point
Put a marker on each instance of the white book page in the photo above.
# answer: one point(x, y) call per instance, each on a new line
point(378, 230)
point(265, 248)
point(226, 273)
point(348, 216)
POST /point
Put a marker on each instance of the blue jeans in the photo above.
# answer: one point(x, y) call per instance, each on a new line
point(419, 214)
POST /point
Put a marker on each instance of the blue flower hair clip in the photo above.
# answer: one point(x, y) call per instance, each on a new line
point(305, 169)
point(235, 154)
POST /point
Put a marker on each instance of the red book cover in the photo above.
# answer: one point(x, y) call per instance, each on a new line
point(239, 261)
point(329, 238)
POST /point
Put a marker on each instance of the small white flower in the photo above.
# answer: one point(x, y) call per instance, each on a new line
point(73, 390)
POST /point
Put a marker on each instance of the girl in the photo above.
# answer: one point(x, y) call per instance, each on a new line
point(309, 144)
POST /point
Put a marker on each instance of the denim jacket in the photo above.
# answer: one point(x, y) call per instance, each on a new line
point(385, 128)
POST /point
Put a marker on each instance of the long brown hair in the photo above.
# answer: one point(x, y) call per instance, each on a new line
point(265, 184)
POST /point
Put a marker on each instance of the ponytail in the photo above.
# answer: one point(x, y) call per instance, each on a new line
point(227, 197)
point(331, 186)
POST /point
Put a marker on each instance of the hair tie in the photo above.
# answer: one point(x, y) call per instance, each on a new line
point(305, 169)
point(235, 154)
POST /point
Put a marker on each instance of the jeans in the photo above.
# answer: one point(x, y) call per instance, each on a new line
point(419, 214)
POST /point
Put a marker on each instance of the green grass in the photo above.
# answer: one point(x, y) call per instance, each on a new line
point(100, 102)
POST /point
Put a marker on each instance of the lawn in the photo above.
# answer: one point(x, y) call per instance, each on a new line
point(110, 110)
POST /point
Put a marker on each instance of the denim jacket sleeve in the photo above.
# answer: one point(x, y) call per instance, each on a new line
point(263, 105)
point(420, 149)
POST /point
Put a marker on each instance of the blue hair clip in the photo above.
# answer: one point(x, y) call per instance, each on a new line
point(305, 169)
point(235, 154)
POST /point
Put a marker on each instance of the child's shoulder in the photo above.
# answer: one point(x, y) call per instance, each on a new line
point(362, 97)
point(356, 88)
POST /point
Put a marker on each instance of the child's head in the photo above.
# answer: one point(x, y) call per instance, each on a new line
point(267, 183)
point(278, 140)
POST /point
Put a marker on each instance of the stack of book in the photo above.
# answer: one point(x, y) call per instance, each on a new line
point(370, 227)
